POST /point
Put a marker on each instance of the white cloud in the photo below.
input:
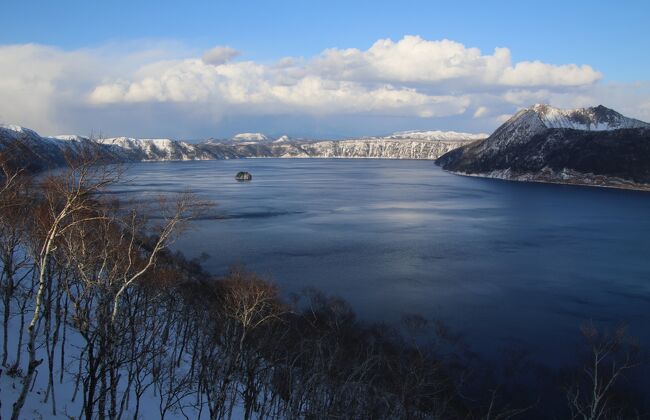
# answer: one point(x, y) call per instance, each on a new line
point(536, 73)
point(257, 87)
point(219, 55)
point(412, 59)
point(416, 60)
point(481, 111)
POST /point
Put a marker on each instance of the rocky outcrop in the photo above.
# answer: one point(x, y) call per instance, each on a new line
point(243, 176)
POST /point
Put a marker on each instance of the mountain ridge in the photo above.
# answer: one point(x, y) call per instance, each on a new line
point(49, 151)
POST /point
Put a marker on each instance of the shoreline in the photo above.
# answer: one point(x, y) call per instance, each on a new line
point(624, 184)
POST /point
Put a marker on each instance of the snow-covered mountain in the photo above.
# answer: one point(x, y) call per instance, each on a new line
point(40, 152)
point(589, 146)
point(28, 149)
point(538, 118)
point(155, 149)
point(37, 152)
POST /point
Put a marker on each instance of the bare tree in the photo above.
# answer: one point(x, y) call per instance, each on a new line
point(176, 214)
point(65, 195)
point(611, 355)
point(9, 177)
point(249, 301)
point(15, 206)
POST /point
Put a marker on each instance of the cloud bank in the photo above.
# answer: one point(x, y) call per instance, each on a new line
point(415, 60)
point(424, 82)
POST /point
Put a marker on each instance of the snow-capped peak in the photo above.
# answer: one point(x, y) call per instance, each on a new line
point(597, 118)
point(282, 139)
point(14, 127)
point(17, 132)
point(249, 137)
point(17, 129)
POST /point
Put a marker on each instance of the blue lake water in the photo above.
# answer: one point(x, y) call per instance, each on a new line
point(506, 264)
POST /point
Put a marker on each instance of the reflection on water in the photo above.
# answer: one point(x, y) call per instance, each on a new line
point(502, 262)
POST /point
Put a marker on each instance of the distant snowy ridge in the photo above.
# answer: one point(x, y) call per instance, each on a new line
point(43, 152)
point(433, 135)
point(383, 148)
point(437, 135)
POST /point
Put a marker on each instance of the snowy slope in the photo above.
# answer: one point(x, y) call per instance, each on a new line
point(597, 118)
point(37, 153)
point(41, 405)
point(155, 149)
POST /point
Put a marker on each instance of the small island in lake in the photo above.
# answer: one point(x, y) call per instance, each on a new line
point(243, 176)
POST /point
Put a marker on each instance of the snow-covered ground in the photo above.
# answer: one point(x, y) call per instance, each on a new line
point(40, 405)
point(65, 399)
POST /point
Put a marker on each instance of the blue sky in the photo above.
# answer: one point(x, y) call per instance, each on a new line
point(612, 39)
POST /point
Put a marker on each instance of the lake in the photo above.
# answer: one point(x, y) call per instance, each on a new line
point(508, 265)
